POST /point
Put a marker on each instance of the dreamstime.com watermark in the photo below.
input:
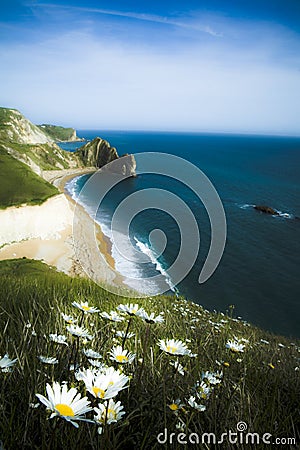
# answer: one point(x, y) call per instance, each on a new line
point(102, 182)
point(240, 436)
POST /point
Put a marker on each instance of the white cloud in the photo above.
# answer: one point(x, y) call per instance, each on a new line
point(145, 17)
point(81, 80)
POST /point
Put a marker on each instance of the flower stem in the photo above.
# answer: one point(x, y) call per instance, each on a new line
point(126, 333)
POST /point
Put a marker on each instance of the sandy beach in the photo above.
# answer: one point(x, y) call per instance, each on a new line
point(46, 232)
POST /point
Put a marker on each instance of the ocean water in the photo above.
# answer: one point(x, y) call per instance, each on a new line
point(259, 270)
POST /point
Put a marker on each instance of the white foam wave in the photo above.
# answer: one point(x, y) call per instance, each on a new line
point(285, 215)
point(149, 252)
point(72, 188)
point(246, 206)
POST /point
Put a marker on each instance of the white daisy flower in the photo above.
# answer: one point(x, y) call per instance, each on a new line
point(212, 377)
point(121, 356)
point(113, 316)
point(122, 334)
point(263, 341)
point(104, 385)
point(75, 330)
point(6, 363)
point(192, 402)
point(176, 405)
point(130, 309)
point(84, 306)
point(58, 338)
point(48, 360)
point(65, 403)
point(235, 346)
point(150, 318)
point(109, 413)
point(203, 391)
point(174, 347)
point(68, 319)
point(178, 367)
point(89, 353)
point(96, 363)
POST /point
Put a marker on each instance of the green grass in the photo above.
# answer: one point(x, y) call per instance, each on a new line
point(32, 298)
point(5, 113)
point(56, 132)
point(46, 156)
point(19, 184)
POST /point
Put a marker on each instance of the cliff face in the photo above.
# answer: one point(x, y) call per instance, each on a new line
point(14, 127)
point(35, 146)
point(31, 145)
point(98, 153)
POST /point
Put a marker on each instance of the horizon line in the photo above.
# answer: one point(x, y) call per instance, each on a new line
point(236, 133)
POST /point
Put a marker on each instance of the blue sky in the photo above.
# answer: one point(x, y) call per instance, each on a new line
point(214, 65)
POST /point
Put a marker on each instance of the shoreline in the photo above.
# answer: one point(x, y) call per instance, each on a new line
point(38, 232)
point(104, 244)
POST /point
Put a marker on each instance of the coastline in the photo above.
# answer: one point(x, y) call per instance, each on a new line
point(39, 232)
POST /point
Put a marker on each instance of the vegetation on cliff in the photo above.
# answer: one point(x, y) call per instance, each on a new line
point(19, 184)
point(223, 372)
point(58, 133)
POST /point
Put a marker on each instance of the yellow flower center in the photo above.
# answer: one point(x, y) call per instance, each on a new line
point(111, 383)
point(226, 364)
point(98, 392)
point(111, 413)
point(173, 407)
point(86, 308)
point(171, 349)
point(64, 410)
point(121, 358)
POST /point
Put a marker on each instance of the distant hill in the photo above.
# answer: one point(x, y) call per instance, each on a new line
point(61, 134)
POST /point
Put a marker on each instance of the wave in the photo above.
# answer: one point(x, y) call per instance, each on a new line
point(72, 187)
point(284, 215)
point(246, 206)
point(149, 252)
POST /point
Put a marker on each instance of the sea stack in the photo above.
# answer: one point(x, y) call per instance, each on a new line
point(98, 153)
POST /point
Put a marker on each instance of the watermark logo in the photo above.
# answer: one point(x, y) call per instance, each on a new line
point(102, 269)
point(239, 436)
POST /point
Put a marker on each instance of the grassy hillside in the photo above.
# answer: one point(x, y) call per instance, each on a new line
point(19, 184)
point(45, 156)
point(258, 386)
point(58, 133)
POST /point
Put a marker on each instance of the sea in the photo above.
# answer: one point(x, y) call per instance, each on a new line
point(259, 271)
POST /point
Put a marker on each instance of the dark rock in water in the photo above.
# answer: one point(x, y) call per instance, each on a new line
point(266, 209)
